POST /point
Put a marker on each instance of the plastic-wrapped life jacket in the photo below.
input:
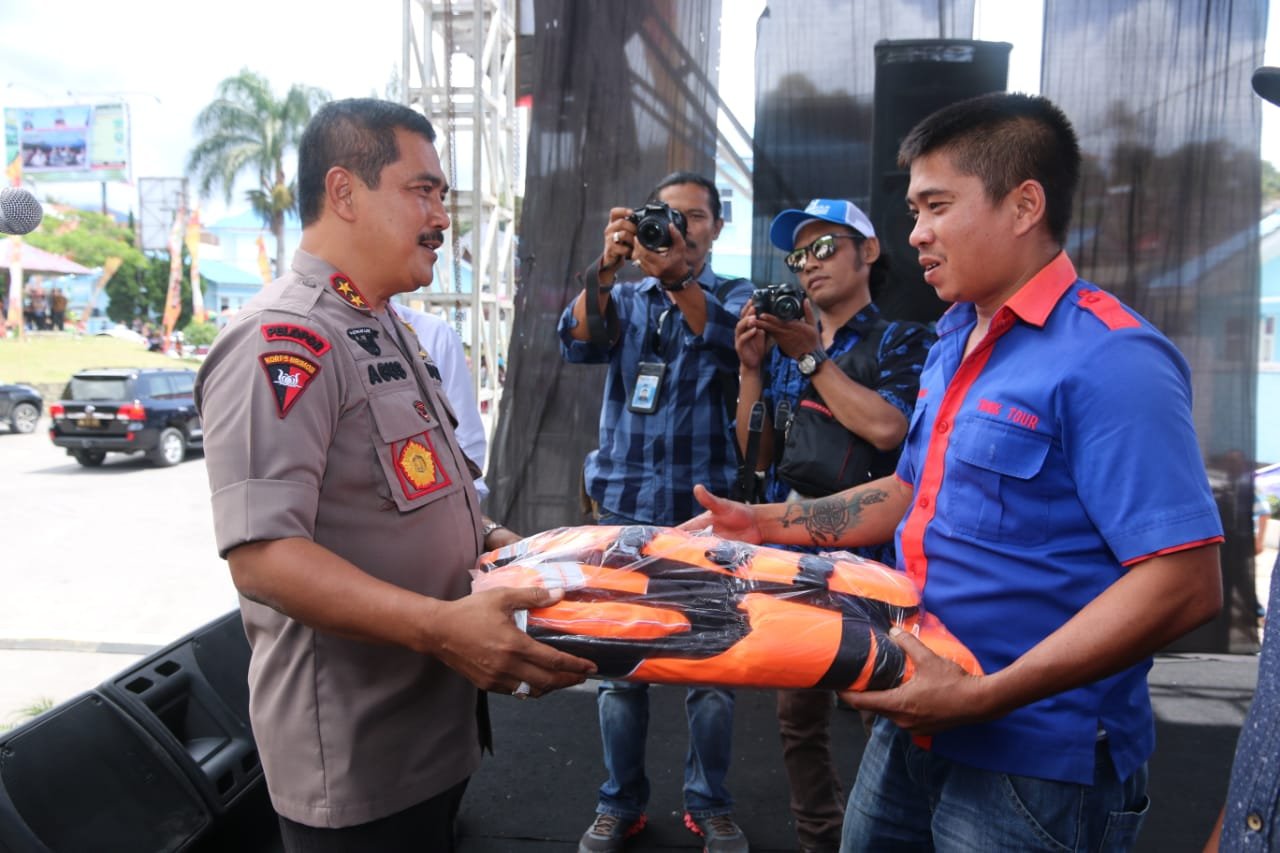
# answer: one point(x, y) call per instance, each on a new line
point(655, 604)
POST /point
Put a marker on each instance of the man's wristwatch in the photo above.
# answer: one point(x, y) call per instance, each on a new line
point(489, 527)
point(678, 286)
point(809, 363)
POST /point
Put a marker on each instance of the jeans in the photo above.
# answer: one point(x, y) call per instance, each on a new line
point(907, 798)
point(624, 728)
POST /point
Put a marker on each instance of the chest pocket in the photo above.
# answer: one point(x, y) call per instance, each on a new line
point(995, 493)
point(412, 451)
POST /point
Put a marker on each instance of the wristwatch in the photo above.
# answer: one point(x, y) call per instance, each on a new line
point(489, 527)
point(678, 286)
point(809, 363)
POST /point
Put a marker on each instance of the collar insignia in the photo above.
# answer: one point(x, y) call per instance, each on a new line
point(348, 292)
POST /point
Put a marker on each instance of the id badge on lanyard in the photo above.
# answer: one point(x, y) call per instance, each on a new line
point(648, 387)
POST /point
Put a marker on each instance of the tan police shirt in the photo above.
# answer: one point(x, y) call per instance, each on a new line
point(317, 424)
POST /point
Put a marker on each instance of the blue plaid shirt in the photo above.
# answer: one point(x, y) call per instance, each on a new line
point(901, 357)
point(647, 464)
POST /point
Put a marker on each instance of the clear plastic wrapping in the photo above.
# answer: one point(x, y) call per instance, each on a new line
point(655, 604)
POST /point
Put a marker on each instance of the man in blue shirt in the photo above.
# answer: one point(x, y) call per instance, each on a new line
point(664, 427)
point(832, 248)
point(1050, 502)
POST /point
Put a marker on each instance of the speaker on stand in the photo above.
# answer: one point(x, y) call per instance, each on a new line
point(913, 79)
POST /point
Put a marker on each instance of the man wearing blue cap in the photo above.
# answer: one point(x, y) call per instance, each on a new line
point(841, 362)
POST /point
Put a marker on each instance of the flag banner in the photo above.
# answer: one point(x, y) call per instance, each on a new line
point(173, 297)
point(198, 312)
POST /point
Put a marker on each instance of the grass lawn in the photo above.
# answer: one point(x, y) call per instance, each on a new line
point(48, 360)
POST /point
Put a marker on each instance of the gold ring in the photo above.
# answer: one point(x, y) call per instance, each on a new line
point(617, 236)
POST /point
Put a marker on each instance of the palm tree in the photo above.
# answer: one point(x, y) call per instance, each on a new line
point(246, 129)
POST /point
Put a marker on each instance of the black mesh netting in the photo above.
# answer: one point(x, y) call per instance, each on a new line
point(1166, 217)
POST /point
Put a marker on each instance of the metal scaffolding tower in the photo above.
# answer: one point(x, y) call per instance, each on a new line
point(459, 62)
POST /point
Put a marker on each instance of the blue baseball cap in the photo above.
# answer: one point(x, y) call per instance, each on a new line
point(787, 224)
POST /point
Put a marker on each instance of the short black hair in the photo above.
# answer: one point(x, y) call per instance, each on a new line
point(358, 134)
point(678, 178)
point(1004, 139)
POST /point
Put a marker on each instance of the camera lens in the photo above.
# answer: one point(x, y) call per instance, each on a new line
point(652, 233)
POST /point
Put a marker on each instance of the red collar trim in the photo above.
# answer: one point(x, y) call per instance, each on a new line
point(1035, 299)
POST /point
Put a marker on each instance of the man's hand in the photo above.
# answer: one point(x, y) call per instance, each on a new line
point(619, 238)
point(794, 337)
point(477, 636)
point(729, 519)
point(671, 265)
point(939, 696)
point(748, 339)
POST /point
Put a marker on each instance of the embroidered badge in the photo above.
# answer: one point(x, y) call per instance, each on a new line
point(367, 339)
point(386, 371)
point(417, 467)
point(298, 334)
point(421, 408)
point(350, 294)
point(289, 375)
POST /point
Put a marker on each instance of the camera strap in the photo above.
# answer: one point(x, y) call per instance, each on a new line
point(603, 330)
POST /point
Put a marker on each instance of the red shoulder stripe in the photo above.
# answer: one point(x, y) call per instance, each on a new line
point(1107, 308)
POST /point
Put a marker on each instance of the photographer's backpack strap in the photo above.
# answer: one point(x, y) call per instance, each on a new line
point(603, 331)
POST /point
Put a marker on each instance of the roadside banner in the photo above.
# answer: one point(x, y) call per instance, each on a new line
point(173, 296)
point(198, 312)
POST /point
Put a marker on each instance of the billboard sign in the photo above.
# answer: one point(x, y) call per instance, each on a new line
point(80, 142)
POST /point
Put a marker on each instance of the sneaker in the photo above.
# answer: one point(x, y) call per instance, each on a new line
point(719, 834)
point(609, 833)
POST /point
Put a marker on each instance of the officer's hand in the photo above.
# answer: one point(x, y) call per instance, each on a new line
point(794, 337)
point(619, 238)
point(749, 339)
point(478, 637)
point(726, 518)
point(940, 694)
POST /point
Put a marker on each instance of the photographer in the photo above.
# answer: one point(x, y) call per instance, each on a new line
point(839, 385)
point(669, 343)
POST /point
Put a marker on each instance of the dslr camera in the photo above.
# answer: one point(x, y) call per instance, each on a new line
point(784, 301)
point(651, 221)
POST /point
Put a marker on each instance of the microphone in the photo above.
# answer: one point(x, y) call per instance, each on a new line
point(20, 212)
point(1266, 82)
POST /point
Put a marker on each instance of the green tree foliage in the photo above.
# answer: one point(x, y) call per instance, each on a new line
point(199, 334)
point(248, 131)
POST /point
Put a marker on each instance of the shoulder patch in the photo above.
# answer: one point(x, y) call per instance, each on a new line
point(298, 334)
point(289, 374)
point(348, 292)
point(1107, 308)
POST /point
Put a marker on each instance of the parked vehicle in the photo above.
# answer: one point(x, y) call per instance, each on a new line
point(127, 410)
point(20, 407)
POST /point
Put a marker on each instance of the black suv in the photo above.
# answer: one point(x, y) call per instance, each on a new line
point(20, 407)
point(127, 410)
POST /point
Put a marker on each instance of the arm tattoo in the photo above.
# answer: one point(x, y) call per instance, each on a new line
point(828, 519)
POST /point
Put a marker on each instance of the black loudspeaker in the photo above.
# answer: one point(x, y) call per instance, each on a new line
point(85, 778)
point(913, 79)
point(193, 698)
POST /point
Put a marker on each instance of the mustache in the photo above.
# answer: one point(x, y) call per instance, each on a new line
point(431, 237)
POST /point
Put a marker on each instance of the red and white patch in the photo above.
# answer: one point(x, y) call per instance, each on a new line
point(313, 341)
point(289, 375)
point(418, 466)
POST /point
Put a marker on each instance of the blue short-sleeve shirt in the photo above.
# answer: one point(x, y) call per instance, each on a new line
point(1060, 451)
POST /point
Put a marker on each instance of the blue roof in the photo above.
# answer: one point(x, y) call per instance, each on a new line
point(224, 273)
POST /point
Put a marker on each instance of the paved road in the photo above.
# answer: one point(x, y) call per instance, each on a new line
point(97, 566)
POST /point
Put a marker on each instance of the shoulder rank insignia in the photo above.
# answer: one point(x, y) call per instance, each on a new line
point(417, 467)
point(367, 339)
point(347, 290)
point(289, 375)
point(1107, 308)
point(298, 334)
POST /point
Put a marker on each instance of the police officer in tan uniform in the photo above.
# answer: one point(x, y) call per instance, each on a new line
point(347, 514)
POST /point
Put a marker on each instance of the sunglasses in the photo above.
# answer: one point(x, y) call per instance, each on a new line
point(821, 249)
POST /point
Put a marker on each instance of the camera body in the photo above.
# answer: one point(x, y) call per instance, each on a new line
point(784, 301)
point(651, 221)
